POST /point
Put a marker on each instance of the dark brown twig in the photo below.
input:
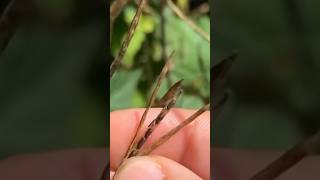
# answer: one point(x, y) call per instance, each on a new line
point(6, 10)
point(220, 70)
point(161, 77)
point(306, 148)
point(218, 77)
point(169, 94)
point(104, 174)
point(116, 9)
point(133, 26)
point(172, 94)
point(7, 28)
point(172, 132)
point(133, 144)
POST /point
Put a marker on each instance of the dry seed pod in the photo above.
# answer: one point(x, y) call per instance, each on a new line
point(172, 96)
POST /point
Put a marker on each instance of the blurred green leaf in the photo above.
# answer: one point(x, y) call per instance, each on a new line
point(43, 89)
point(189, 101)
point(133, 49)
point(122, 88)
point(192, 60)
point(145, 26)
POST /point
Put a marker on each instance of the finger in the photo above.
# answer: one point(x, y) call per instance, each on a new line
point(111, 174)
point(190, 146)
point(154, 168)
point(64, 165)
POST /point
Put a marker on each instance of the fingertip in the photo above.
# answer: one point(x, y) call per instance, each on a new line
point(139, 168)
point(154, 168)
point(111, 174)
point(174, 170)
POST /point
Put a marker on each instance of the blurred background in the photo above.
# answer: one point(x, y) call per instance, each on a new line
point(53, 64)
point(274, 83)
point(159, 33)
point(52, 75)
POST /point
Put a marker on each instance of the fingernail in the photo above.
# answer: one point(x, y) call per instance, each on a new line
point(140, 168)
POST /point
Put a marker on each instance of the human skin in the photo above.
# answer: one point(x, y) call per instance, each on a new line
point(88, 164)
point(187, 152)
point(186, 155)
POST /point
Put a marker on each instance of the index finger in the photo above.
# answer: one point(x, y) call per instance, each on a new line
point(190, 146)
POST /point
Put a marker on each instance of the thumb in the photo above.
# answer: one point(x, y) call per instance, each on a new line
point(154, 168)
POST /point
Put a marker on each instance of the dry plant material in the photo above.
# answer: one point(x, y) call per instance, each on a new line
point(166, 102)
point(293, 156)
point(169, 99)
point(220, 70)
point(116, 9)
point(5, 35)
point(172, 96)
point(193, 25)
point(133, 26)
point(169, 94)
point(165, 69)
point(218, 76)
point(5, 11)
point(172, 132)
point(296, 154)
point(134, 143)
point(104, 174)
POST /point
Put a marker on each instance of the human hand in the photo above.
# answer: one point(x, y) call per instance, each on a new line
point(181, 154)
point(185, 156)
point(72, 164)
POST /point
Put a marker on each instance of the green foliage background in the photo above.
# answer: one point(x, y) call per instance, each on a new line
point(52, 78)
point(131, 85)
point(275, 80)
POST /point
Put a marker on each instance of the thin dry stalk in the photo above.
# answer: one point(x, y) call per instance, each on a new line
point(161, 77)
point(172, 132)
point(218, 77)
point(306, 148)
point(116, 9)
point(220, 70)
point(8, 23)
point(174, 92)
point(133, 26)
point(6, 11)
point(133, 144)
point(202, 9)
point(104, 174)
point(169, 94)
point(193, 25)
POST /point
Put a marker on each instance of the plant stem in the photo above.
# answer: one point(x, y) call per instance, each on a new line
point(293, 156)
point(133, 26)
